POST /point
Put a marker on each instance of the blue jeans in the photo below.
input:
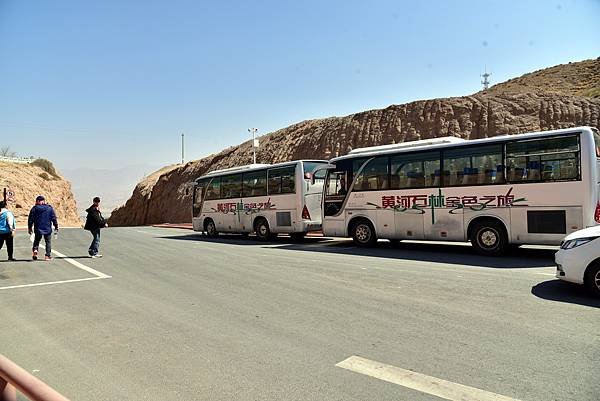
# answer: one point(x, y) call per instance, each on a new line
point(47, 239)
point(95, 245)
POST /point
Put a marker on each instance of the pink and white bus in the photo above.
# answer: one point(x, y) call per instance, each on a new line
point(532, 188)
point(267, 199)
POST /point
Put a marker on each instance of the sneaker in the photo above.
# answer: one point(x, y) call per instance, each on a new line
point(47, 258)
point(12, 259)
point(34, 256)
point(96, 256)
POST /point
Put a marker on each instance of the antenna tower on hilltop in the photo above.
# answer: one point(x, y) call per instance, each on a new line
point(485, 81)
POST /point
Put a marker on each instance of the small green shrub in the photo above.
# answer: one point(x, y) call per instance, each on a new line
point(44, 175)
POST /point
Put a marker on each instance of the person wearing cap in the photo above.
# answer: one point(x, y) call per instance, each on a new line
point(94, 222)
point(40, 222)
point(7, 229)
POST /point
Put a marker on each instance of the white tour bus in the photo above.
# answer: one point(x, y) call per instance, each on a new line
point(261, 198)
point(514, 189)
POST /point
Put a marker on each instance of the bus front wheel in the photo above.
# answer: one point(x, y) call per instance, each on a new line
point(489, 238)
point(363, 233)
point(211, 229)
point(263, 232)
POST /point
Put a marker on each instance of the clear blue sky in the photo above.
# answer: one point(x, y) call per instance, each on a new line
point(111, 83)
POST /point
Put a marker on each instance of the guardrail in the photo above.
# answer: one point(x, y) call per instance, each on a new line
point(13, 378)
point(22, 160)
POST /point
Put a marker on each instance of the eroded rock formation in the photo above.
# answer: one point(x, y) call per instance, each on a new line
point(499, 111)
point(28, 181)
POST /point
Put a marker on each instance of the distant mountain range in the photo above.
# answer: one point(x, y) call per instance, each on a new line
point(113, 186)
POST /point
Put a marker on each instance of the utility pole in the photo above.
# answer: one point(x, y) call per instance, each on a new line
point(254, 143)
point(182, 149)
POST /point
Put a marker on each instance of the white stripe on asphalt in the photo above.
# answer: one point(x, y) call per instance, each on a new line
point(99, 275)
point(52, 282)
point(81, 265)
point(77, 264)
point(420, 382)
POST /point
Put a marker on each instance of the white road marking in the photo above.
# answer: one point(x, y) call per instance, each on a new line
point(81, 265)
point(547, 274)
point(52, 282)
point(99, 275)
point(420, 382)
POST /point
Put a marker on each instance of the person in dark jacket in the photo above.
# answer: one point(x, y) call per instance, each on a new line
point(94, 223)
point(40, 222)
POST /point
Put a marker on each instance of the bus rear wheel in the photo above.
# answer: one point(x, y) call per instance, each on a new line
point(263, 232)
point(363, 233)
point(489, 238)
point(211, 229)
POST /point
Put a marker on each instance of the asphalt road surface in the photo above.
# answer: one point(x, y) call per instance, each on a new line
point(170, 315)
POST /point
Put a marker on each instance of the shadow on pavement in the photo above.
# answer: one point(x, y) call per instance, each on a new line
point(460, 254)
point(560, 291)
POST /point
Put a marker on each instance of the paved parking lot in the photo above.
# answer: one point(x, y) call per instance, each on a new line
point(168, 314)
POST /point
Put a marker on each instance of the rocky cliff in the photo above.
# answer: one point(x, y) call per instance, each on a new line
point(520, 105)
point(28, 181)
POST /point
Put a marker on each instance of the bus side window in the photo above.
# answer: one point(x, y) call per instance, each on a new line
point(213, 190)
point(548, 159)
point(255, 183)
point(473, 165)
point(282, 181)
point(416, 170)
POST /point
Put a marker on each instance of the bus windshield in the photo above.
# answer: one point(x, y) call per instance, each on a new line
point(315, 168)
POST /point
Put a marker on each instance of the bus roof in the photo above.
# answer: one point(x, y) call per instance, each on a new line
point(253, 167)
point(444, 142)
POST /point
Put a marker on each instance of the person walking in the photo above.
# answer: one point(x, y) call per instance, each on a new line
point(8, 225)
point(94, 222)
point(40, 222)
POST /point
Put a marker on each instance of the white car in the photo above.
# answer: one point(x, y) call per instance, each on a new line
point(578, 259)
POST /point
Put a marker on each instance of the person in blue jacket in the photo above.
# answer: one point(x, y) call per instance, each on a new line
point(41, 219)
point(7, 229)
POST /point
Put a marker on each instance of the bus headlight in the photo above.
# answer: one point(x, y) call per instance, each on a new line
point(574, 243)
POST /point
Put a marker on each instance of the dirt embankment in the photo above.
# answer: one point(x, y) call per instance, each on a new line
point(28, 181)
point(520, 105)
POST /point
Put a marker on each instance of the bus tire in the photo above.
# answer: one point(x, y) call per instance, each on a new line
point(591, 279)
point(263, 232)
point(489, 238)
point(210, 228)
point(363, 234)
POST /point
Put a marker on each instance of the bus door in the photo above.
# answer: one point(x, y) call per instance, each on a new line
point(197, 203)
point(312, 189)
point(336, 191)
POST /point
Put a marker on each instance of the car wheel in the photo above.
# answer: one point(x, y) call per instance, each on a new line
point(489, 238)
point(263, 232)
point(363, 233)
point(211, 229)
point(592, 279)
